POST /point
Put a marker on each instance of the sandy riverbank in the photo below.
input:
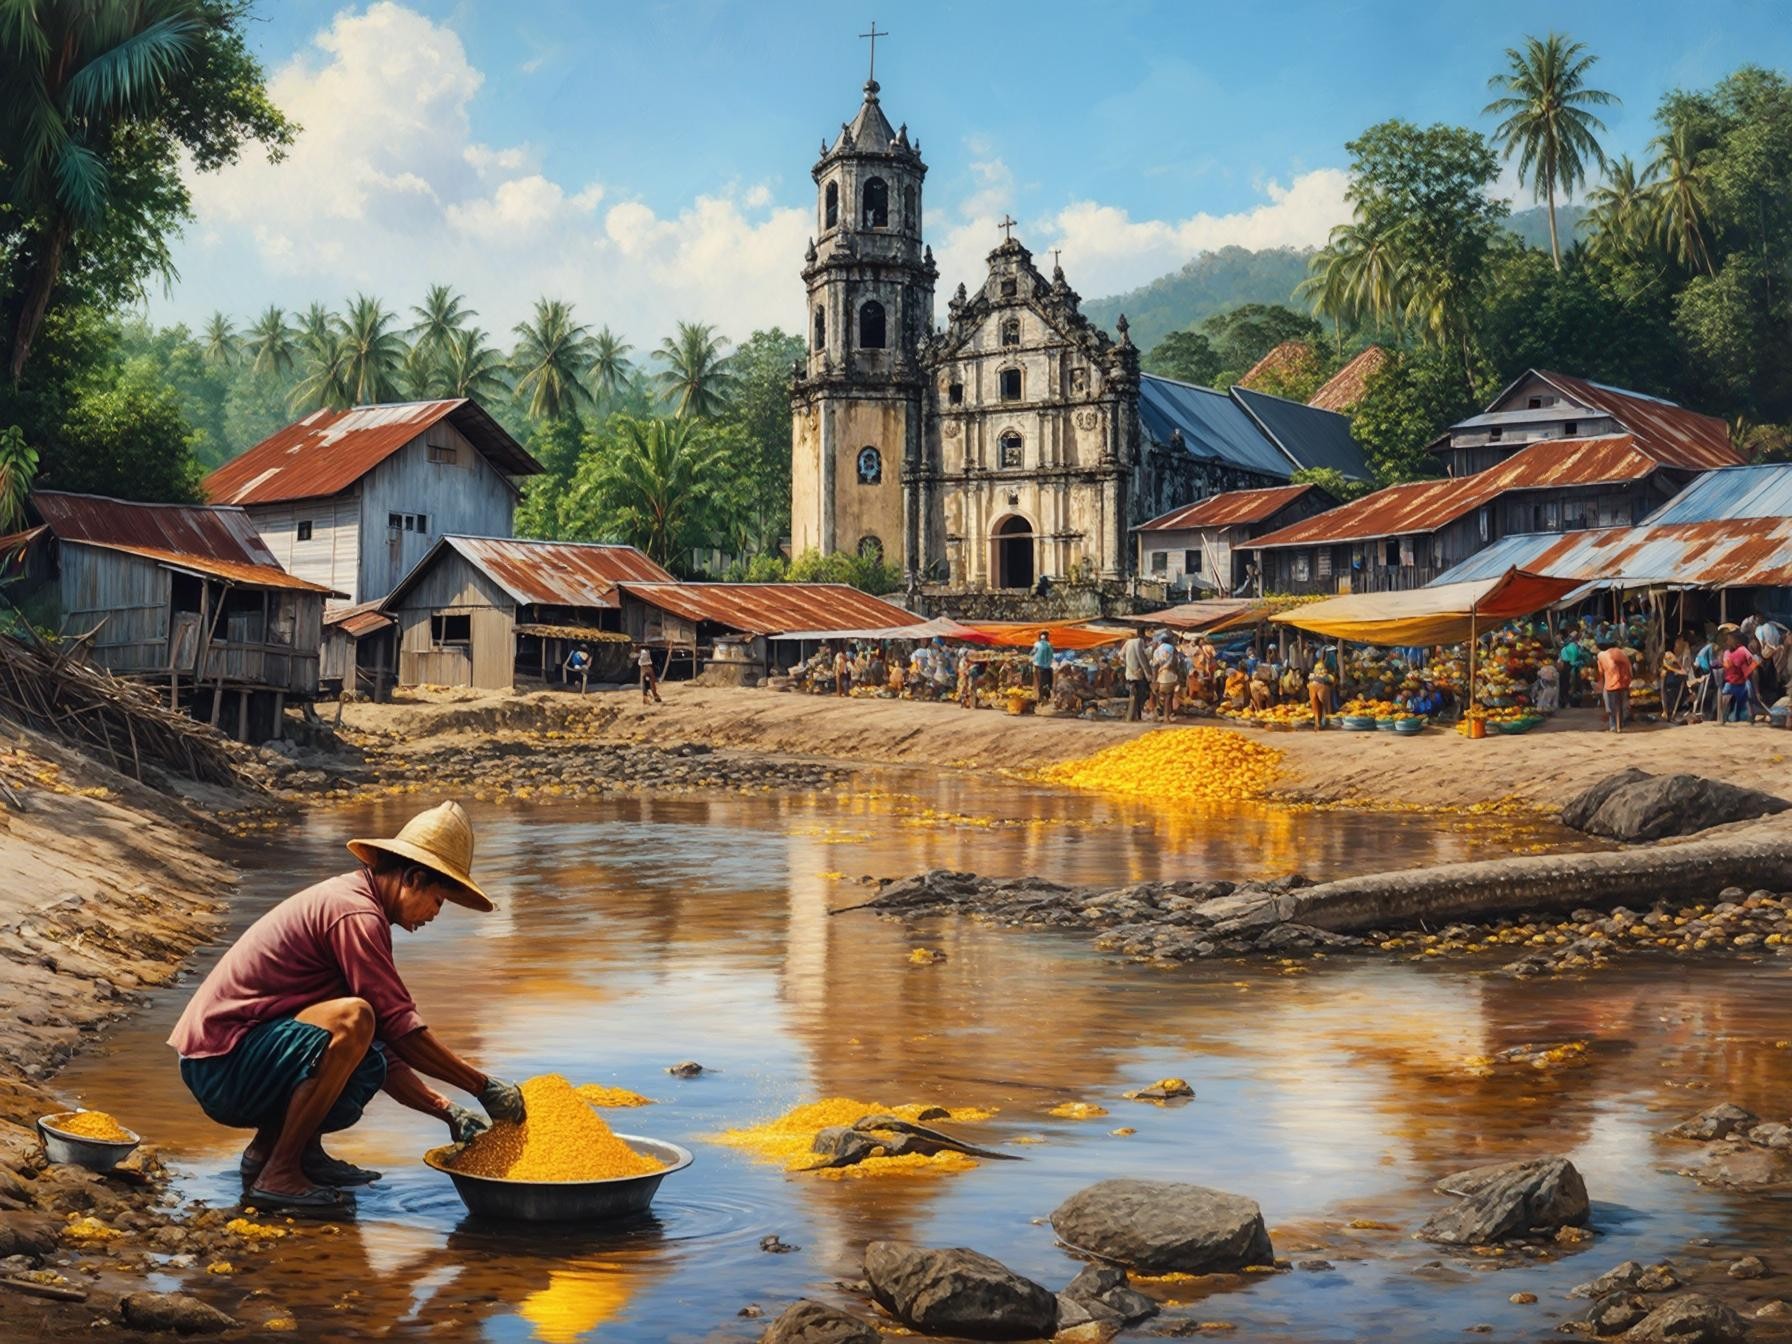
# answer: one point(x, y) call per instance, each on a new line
point(1438, 768)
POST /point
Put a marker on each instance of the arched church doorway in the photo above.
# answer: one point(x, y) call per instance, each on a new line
point(1012, 543)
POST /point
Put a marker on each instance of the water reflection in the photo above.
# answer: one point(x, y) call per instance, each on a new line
point(635, 932)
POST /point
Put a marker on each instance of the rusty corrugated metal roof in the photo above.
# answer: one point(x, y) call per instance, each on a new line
point(1678, 437)
point(1345, 388)
point(545, 573)
point(1235, 508)
point(1425, 506)
point(1721, 553)
point(219, 542)
point(772, 608)
point(361, 619)
point(328, 451)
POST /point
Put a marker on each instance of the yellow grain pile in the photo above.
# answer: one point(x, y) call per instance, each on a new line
point(562, 1139)
point(788, 1140)
point(95, 1125)
point(611, 1098)
point(1182, 765)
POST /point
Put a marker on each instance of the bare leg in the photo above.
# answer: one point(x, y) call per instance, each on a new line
point(350, 1024)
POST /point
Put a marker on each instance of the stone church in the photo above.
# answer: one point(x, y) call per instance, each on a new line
point(1018, 441)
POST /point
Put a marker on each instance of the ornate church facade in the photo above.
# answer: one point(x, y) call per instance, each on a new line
point(1017, 441)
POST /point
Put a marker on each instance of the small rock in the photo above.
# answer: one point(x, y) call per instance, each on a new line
point(1616, 1313)
point(1716, 1122)
point(1658, 1279)
point(1775, 1310)
point(172, 1311)
point(1522, 1299)
point(1164, 1227)
point(957, 1291)
point(808, 1322)
point(1507, 1200)
point(1316, 1266)
point(1749, 1267)
point(775, 1245)
point(688, 1068)
point(1105, 1289)
point(752, 1311)
point(1691, 1318)
point(26, 1234)
point(1615, 1280)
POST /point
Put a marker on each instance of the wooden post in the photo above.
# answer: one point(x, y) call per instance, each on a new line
point(242, 714)
point(280, 714)
point(379, 668)
point(1474, 640)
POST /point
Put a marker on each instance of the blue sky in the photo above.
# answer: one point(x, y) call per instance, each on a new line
point(650, 161)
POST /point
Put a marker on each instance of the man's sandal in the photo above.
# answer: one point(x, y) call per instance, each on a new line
point(317, 1197)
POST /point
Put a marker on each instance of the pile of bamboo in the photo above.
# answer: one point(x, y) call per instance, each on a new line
point(58, 691)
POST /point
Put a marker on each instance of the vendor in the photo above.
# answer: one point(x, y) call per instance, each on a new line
point(306, 1017)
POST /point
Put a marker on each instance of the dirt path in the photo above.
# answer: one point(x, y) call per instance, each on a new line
point(1439, 768)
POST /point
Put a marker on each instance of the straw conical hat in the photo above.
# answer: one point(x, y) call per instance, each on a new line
point(441, 840)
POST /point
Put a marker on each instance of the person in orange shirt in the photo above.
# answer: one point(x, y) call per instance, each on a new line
point(1614, 681)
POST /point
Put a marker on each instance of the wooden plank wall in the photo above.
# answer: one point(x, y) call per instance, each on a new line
point(467, 496)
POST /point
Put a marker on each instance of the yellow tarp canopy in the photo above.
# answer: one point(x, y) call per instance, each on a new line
point(1424, 616)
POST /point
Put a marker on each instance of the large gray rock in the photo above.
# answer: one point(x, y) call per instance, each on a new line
point(1508, 1200)
point(1657, 806)
point(807, 1322)
point(1164, 1227)
point(1691, 1318)
point(1580, 809)
point(958, 1292)
point(26, 1234)
point(172, 1311)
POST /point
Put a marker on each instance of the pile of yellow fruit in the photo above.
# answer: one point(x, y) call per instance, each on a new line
point(1291, 715)
point(1200, 765)
point(1373, 709)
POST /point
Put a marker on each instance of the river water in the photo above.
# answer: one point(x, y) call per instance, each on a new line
point(634, 932)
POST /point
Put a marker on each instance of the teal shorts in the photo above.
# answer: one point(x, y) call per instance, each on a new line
point(251, 1087)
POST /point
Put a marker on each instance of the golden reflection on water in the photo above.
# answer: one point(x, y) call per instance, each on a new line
point(576, 1301)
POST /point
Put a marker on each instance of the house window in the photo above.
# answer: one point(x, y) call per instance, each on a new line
point(871, 325)
point(1495, 434)
point(1010, 288)
point(1191, 562)
point(911, 219)
point(1010, 446)
point(1393, 553)
point(821, 326)
point(444, 453)
point(871, 465)
point(1484, 523)
point(449, 629)
point(407, 522)
point(303, 533)
point(1011, 331)
point(955, 395)
point(877, 204)
point(1301, 569)
point(1160, 562)
point(1570, 429)
point(831, 206)
point(1325, 563)
point(872, 548)
point(1010, 384)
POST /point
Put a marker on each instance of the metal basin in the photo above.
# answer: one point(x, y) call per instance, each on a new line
point(564, 1201)
point(74, 1150)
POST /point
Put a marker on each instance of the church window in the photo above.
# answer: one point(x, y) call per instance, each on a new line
point(1009, 383)
point(821, 327)
point(872, 548)
point(831, 206)
point(877, 204)
point(871, 325)
point(955, 395)
point(1010, 446)
point(871, 466)
point(1011, 331)
point(1010, 288)
point(1079, 380)
point(911, 219)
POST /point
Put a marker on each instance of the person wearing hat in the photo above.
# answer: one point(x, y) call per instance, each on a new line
point(306, 1017)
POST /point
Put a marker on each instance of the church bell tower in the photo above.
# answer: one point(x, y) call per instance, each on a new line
point(856, 398)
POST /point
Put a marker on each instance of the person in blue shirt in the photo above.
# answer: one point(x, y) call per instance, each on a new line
point(1042, 667)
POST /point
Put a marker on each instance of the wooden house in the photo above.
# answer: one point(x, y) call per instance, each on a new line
point(354, 499)
point(1201, 546)
point(493, 612)
point(181, 595)
point(1406, 535)
point(1541, 405)
point(359, 655)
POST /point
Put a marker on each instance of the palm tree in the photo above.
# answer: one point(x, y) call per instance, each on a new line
point(220, 341)
point(551, 351)
point(468, 367)
point(373, 352)
point(1355, 278)
point(270, 342)
point(317, 328)
point(325, 385)
point(1622, 215)
point(696, 375)
point(610, 369)
point(74, 74)
point(1547, 122)
point(651, 485)
point(1682, 198)
point(442, 315)
point(18, 464)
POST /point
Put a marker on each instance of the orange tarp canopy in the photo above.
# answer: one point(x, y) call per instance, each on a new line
point(1022, 634)
point(1422, 616)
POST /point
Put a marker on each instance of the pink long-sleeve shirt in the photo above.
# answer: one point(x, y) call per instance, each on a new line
point(330, 941)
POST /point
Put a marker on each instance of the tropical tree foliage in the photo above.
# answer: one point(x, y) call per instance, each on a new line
point(697, 377)
point(646, 487)
point(552, 354)
point(272, 346)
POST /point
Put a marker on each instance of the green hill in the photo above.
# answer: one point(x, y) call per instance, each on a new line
point(1532, 226)
point(1211, 283)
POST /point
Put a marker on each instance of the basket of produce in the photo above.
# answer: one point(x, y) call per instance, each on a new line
point(1410, 725)
point(1358, 723)
point(1386, 725)
point(90, 1139)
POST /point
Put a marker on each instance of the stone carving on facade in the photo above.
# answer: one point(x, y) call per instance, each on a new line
point(950, 429)
point(1087, 418)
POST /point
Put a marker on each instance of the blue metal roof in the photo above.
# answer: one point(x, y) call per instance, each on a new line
point(1311, 436)
point(1214, 427)
point(1519, 550)
point(1760, 491)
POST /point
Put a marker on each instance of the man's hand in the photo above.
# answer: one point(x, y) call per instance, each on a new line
point(462, 1123)
point(502, 1100)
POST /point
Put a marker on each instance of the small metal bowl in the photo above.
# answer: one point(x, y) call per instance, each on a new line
point(564, 1201)
point(74, 1150)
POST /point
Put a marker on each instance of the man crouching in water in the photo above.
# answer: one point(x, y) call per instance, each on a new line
point(306, 1017)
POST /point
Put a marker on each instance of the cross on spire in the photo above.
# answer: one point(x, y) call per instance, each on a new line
point(1006, 224)
point(1055, 265)
point(873, 35)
